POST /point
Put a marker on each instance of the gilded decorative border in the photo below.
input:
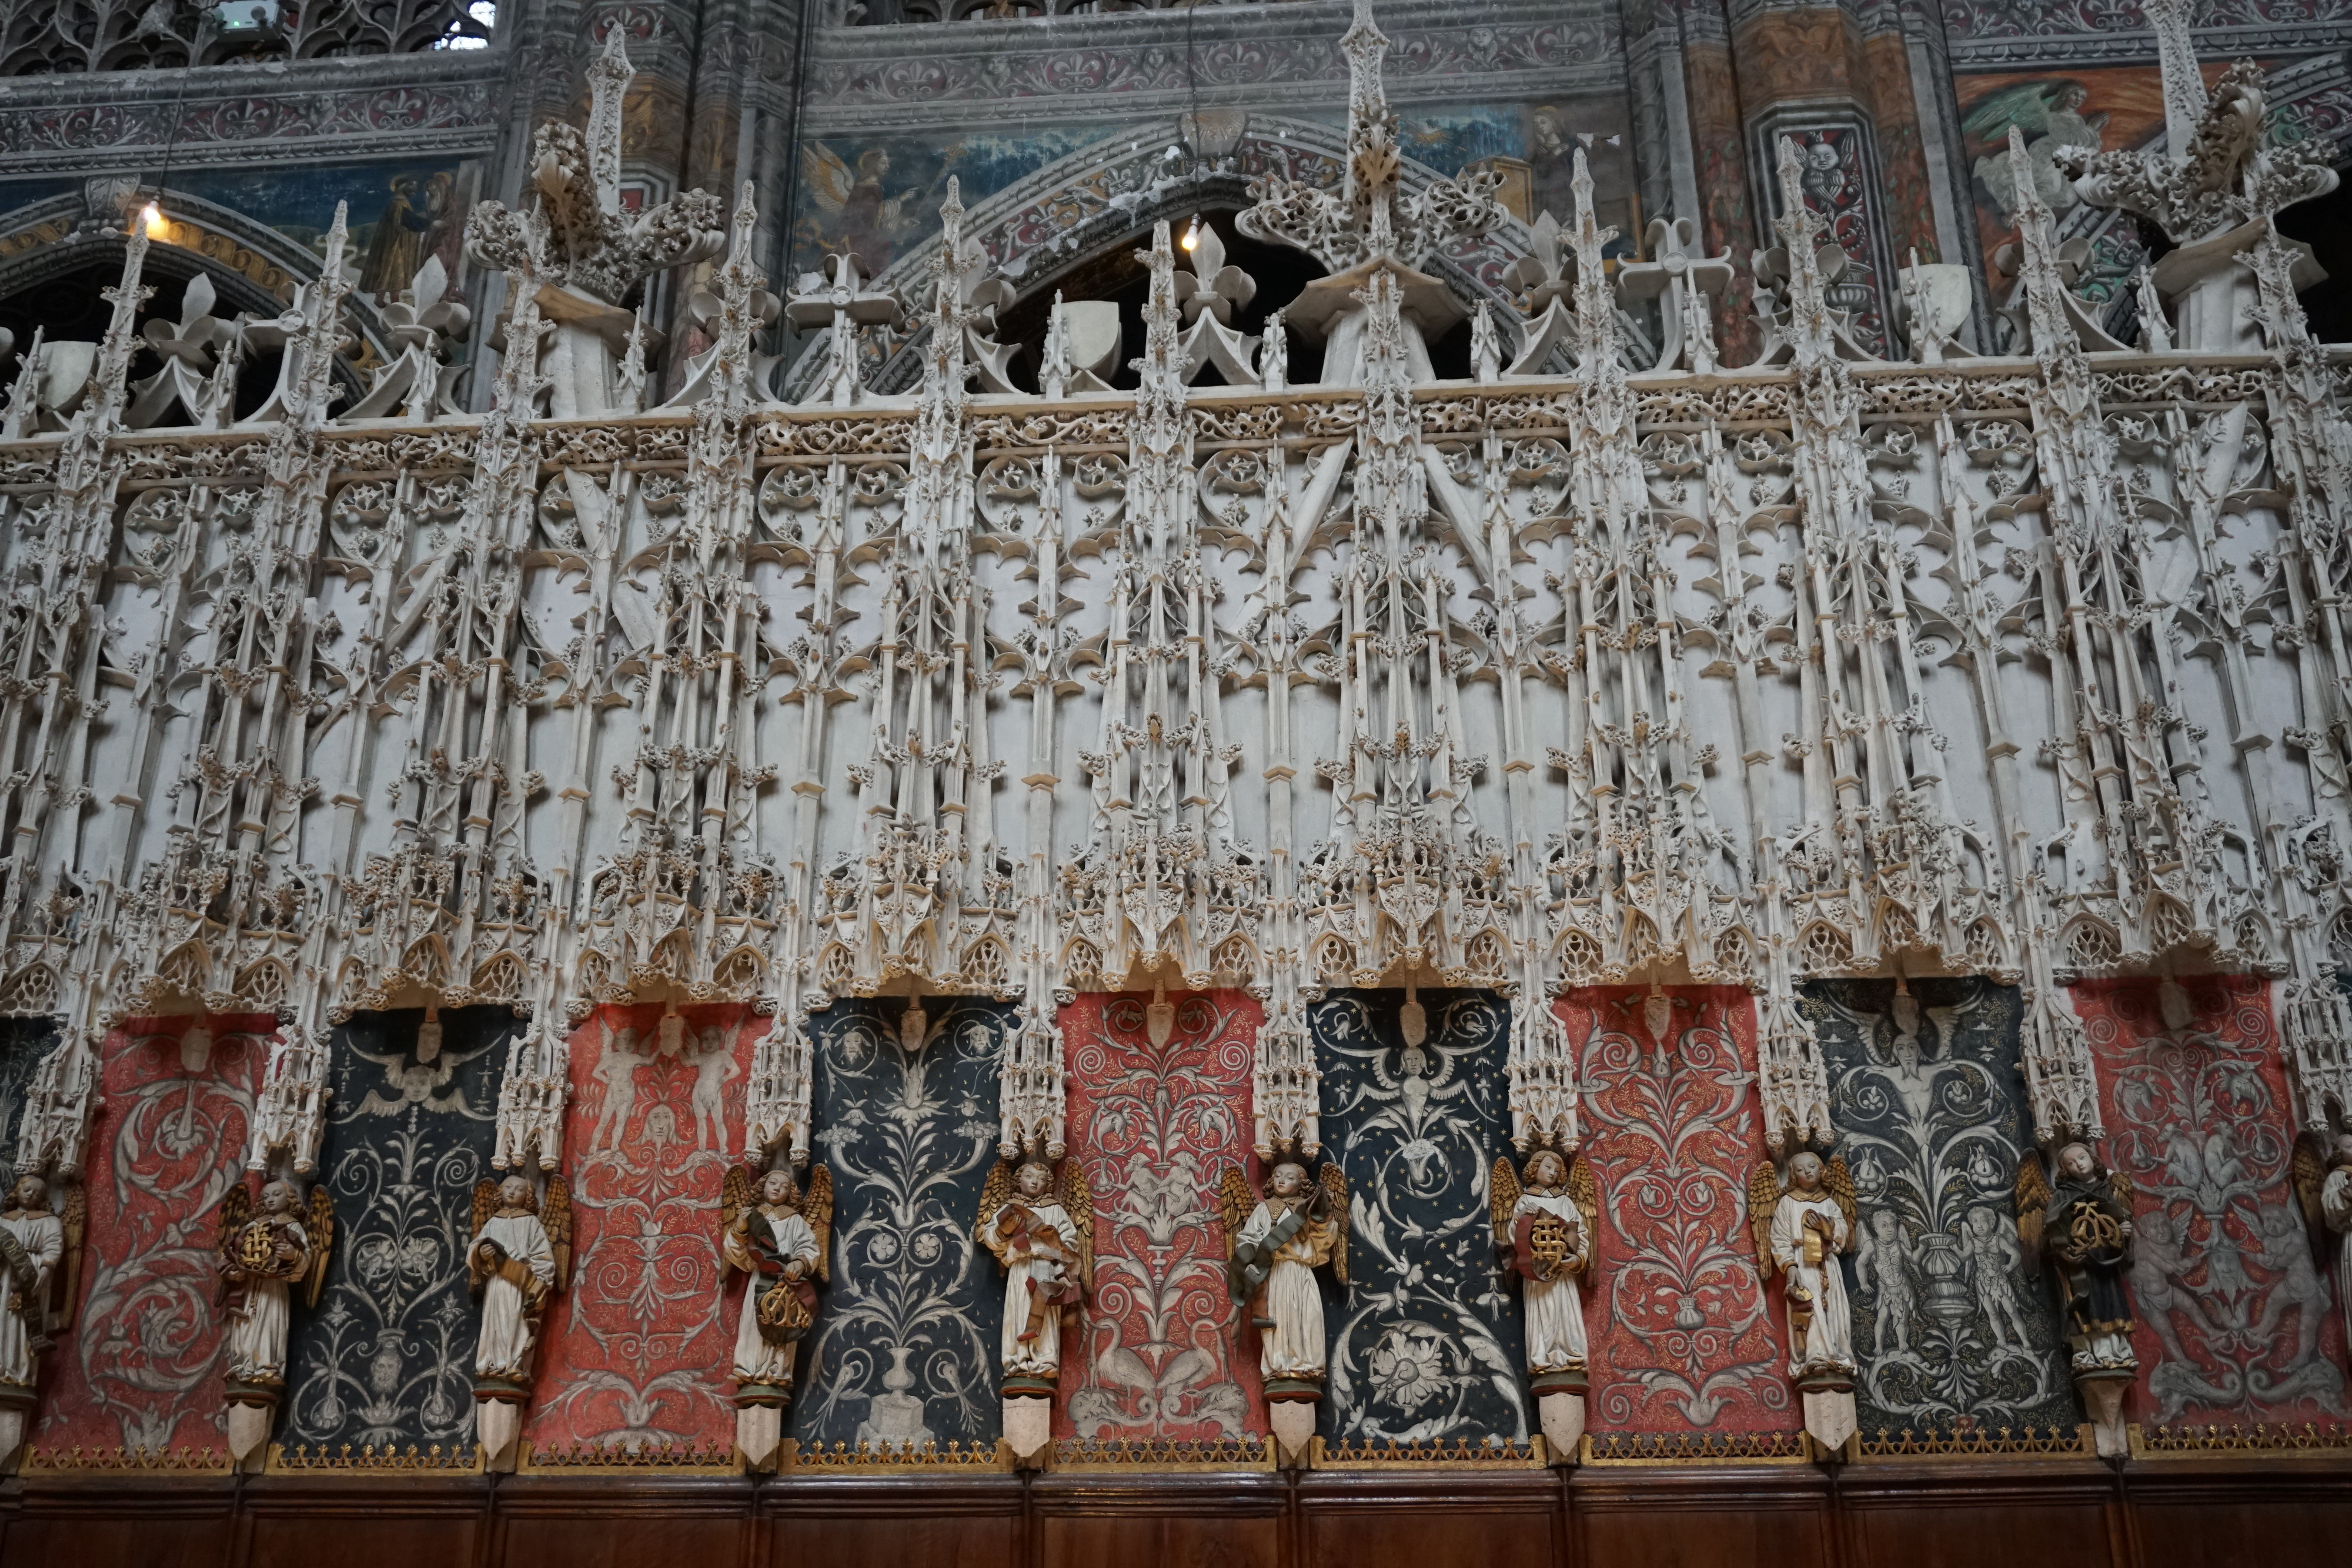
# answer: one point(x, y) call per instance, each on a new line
point(1461, 1455)
point(623, 1459)
point(206, 1460)
point(1659, 1448)
point(1130, 1456)
point(300, 1459)
point(892, 1458)
point(2260, 1440)
point(1897, 1447)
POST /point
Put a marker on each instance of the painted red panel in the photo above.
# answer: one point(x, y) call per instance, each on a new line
point(639, 1348)
point(1682, 1334)
point(1155, 1126)
point(141, 1368)
point(2236, 1323)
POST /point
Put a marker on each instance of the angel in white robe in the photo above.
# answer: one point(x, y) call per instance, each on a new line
point(1033, 1234)
point(28, 1261)
point(1297, 1228)
point(1811, 1227)
point(513, 1263)
point(262, 1258)
point(774, 1241)
point(1545, 1232)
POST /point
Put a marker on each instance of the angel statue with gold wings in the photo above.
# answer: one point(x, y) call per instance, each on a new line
point(1799, 1227)
point(2083, 1223)
point(518, 1259)
point(779, 1234)
point(1043, 1231)
point(265, 1251)
point(1274, 1245)
point(1544, 1230)
point(2322, 1184)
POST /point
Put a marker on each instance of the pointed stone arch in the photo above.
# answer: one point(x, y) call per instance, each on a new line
point(1039, 229)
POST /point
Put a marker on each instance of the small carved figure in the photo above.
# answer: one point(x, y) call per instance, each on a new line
point(40, 1259)
point(1884, 1262)
point(1994, 1266)
point(1800, 1228)
point(773, 1231)
point(264, 1253)
point(2323, 1183)
point(519, 1258)
point(1545, 1230)
point(1300, 1225)
point(2083, 1224)
point(1045, 1240)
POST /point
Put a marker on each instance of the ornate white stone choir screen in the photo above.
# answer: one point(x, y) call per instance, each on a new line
point(1911, 798)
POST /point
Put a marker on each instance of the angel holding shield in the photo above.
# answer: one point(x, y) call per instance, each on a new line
point(1300, 1225)
point(1544, 1231)
point(777, 1235)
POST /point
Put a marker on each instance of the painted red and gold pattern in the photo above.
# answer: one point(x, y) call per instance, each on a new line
point(1681, 1333)
point(639, 1348)
point(142, 1367)
point(1162, 1353)
point(2236, 1322)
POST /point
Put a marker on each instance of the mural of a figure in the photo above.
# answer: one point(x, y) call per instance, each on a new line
point(1046, 1241)
point(863, 218)
point(419, 220)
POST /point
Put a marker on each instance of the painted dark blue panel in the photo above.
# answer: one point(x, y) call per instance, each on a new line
point(1425, 1340)
point(387, 1356)
point(1946, 1322)
point(904, 1345)
point(24, 1043)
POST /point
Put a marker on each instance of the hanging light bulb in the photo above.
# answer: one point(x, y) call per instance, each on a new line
point(1192, 235)
point(152, 217)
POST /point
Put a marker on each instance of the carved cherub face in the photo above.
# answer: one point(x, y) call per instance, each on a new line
point(1288, 1180)
point(1033, 1179)
point(32, 1192)
point(2342, 1154)
point(1805, 1173)
point(1887, 1227)
point(2076, 1162)
point(515, 1192)
point(778, 1187)
point(1546, 1170)
point(1981, 1220)
point(277, 1197)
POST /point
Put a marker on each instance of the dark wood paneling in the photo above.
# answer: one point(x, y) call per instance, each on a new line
point(1981, 1535)
point(632, 1540)
point(906, 1536)
point(1369, 1519)
point(1665, 1518)
point(321, 1538)
point(94, 1536)
point(2219, 1532)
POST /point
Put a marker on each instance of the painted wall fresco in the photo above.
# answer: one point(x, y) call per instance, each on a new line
point(387, 1356)
point(905, 1346)
point(1931, 1114)
point(24, 1042)
point(1682, 1335)
point(143, 1368)
point(1153, 1127)
point(636, 1350)
point(400, 215)
point(1425, 1340)
point(2237, 1323)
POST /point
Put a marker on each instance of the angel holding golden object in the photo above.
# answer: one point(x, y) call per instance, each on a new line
point(2082, 1222)
point(1544, 1230)
point(517, 1259)
point(265, 1251)
point(1045, 1240)
point(778, 1235)
point(1800, 1227)
point(1300, 1225)
point(2322, 1184)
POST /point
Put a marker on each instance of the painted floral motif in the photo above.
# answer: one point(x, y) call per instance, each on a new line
point(387, 1356)
point(1426, 1344)
point(905, 1348)
point(2236, 1321)
point(1154, 1126)
point(1684, 1335)
point(1931, 1115)
point(144, 1369)
point(636, 1349)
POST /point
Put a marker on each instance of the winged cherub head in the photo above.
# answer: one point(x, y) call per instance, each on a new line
point(31, 1193)
point(515, 1193)
point(2076, 1163)
point(777, 1189)
point(1033, 1179)
point(1547, 1172)
point(1288, 1180)
point(1805, 1172)
point(277, 1197)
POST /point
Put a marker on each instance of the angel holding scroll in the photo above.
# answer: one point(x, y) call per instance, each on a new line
point(778, 1235)
point(1300, 1225)
point(1045, 1238)
point(518, 1258)
point(1544, 1231)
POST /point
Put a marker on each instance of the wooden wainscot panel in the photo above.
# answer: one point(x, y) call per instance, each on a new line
point(1959, 1516)
point(604, 1522)
point(893, 1523)
point(1164, 1521)
point(103, 1527)
point(1404, 1520)
point(2226, 1515)
point(1704, 1518)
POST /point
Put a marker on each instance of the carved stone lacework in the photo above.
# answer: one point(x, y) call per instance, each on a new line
point(2029, 666)
point(40, 36)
